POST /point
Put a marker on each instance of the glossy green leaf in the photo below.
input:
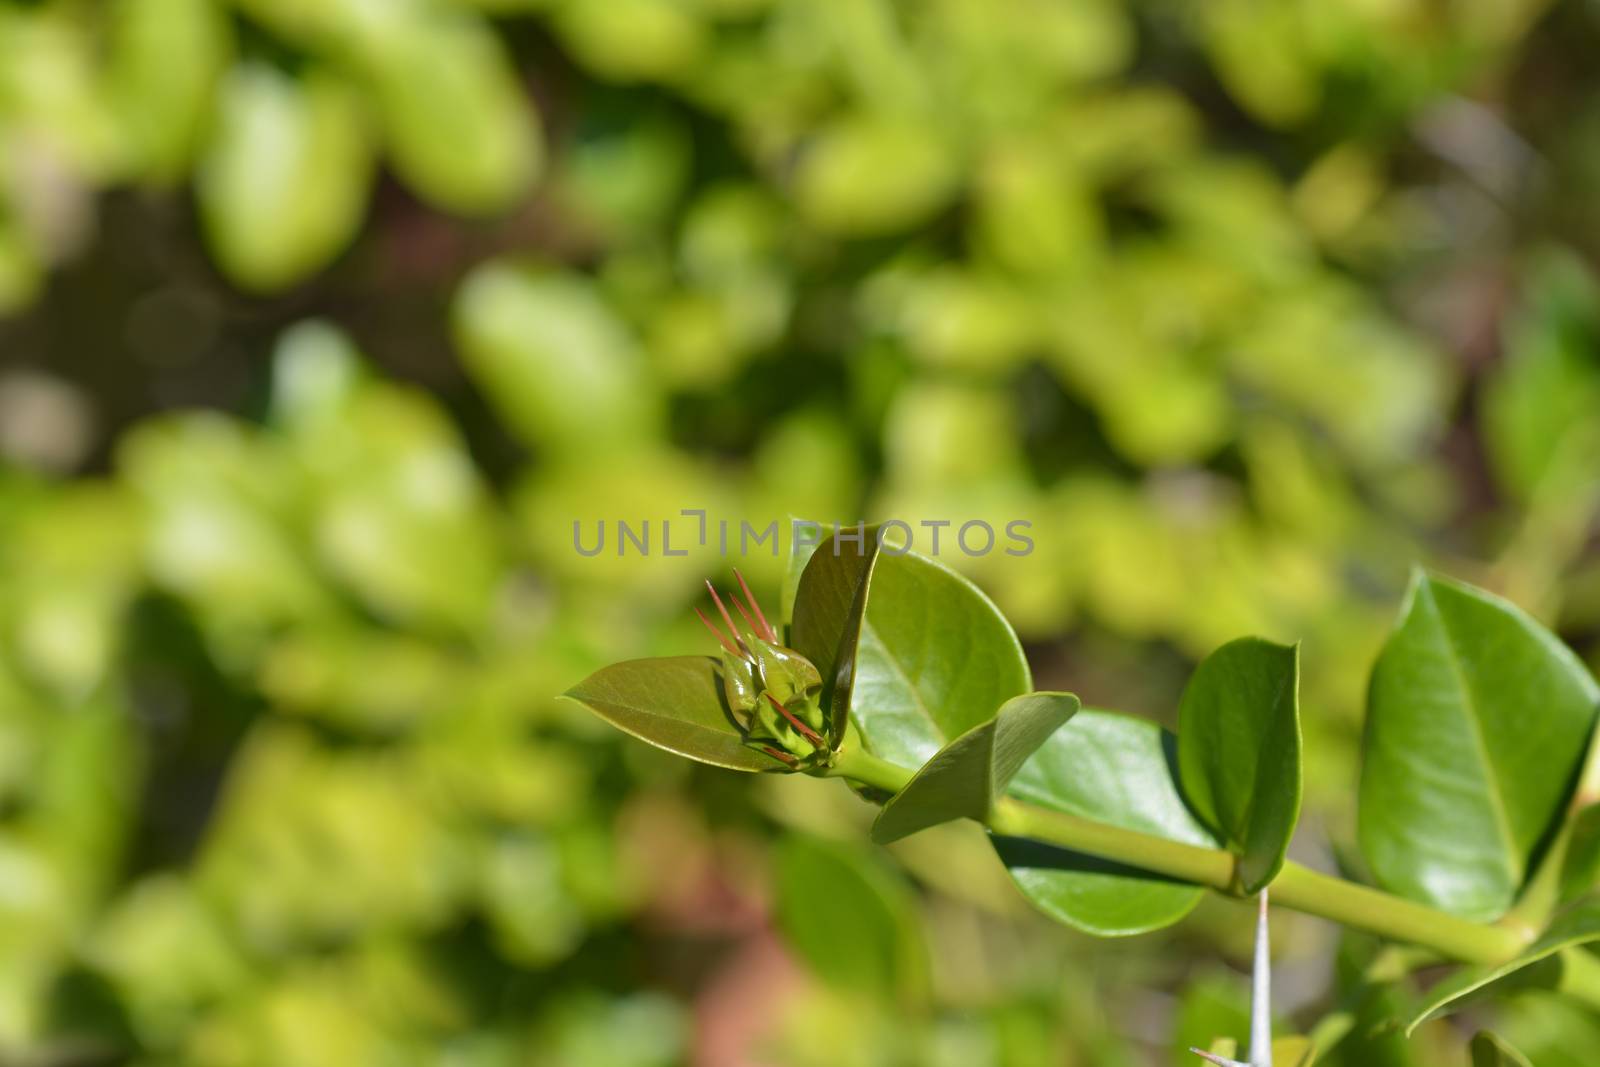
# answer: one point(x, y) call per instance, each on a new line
point(1579, 925)
point(1120, 770)
point(850, 919)
point(1477, 723)
point(828, 609)
point(971, 772)
point(800, 553)
point(936, 658)
point(675, 703)
point(1239, 751)
point(1491, 1051)
point(283, 184)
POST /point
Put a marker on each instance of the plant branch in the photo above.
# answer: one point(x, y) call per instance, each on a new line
point(1296, 887)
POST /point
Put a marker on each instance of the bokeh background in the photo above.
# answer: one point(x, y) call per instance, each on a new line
point(322, 321)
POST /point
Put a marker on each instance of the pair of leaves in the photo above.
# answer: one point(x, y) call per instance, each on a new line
point(936, 658)
point(935, 653)
point(1477, 725)
point(924, 661)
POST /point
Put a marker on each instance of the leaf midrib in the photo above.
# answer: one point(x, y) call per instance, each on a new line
point(1492, 787)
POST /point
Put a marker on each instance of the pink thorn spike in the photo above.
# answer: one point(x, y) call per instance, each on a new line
point(805, 731)
point(722, 638)
point(765, 630)
point(726, 617)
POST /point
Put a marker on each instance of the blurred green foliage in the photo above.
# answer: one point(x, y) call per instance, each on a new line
point(1243, 305)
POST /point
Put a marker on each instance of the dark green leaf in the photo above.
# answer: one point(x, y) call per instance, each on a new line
point(971, 772)
point(1491, 1051)
point(1581, 867)
point(675, 703)
point(1579, 925)
point(800, 554)
point(1119, 770)
point(1478, 720)
point(850, 919)
point(936, 658)
point(828, 607)
point(1239, 751)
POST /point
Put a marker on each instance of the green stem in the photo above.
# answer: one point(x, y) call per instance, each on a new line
point(1299, 888)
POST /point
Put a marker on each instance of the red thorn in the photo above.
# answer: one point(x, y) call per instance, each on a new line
point(805, 731)
point(719, 634)
point(765, 629)
point(725, 616)
point(784, 756)
point(745, 615)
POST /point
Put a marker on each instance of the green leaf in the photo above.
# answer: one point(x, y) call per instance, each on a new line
point(800, 554)
point(1293, 1052)
point(971, 772)
point(1119, 770)
point(1543, 397)
point(164, 59)
point(1239, 752)
point(1213, 1005)
point(675, 703)
point(1491, 1051)
point(828, 609)
point(457, 123)
point(936, 658)
point(850, 919)
point(1579, 925)
point(1477, 723)
point(554, 359)
point(283, 185)
point(1581, 865)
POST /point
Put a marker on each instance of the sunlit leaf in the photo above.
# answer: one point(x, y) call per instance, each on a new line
point(1478, 719)
point(1120, 770)
point(166, 57)
point(936, 658)
point(554, 359)
point(283, 184)
point(675, 703)
point(457, 123)
point(828, 609)
point(971, 772)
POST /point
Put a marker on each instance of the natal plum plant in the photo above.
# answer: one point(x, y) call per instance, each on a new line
point(1478, 790)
